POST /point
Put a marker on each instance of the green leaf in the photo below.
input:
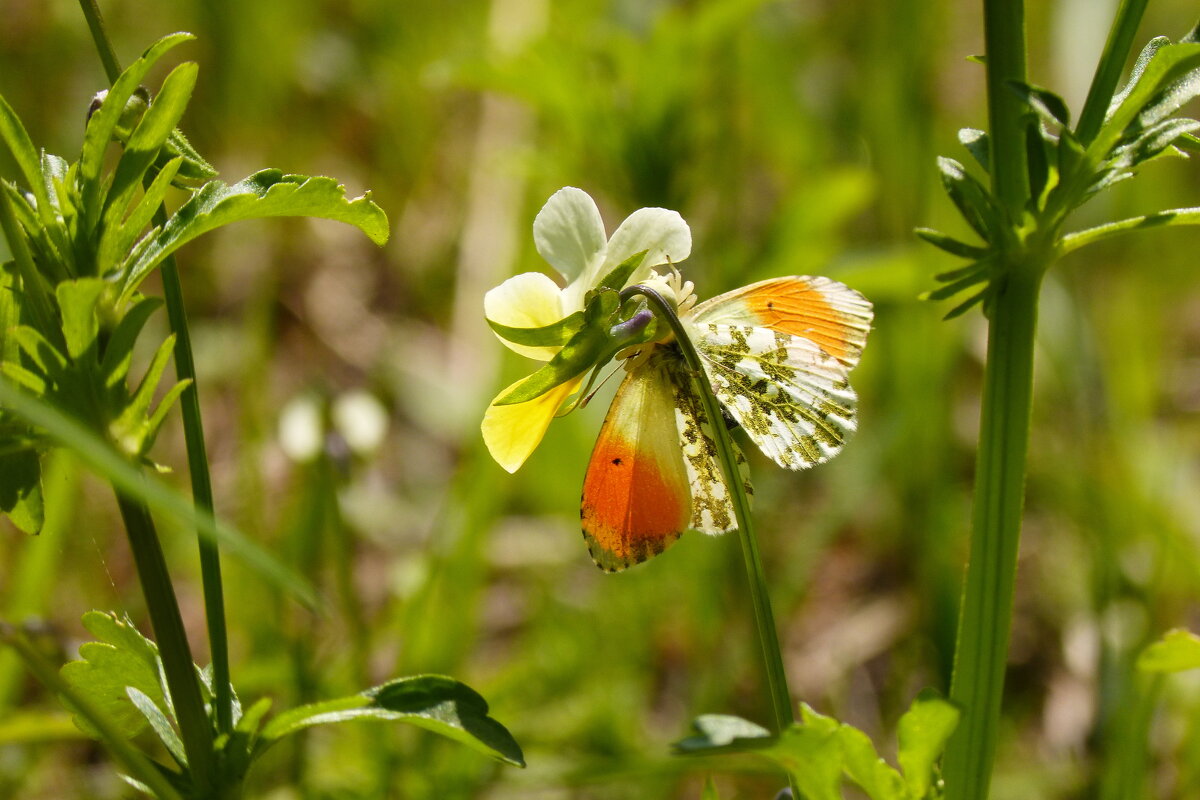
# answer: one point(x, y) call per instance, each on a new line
point(121, 658)
point(864, 766)
point(102, 125)
point(268, 193)
point(923, 732)
point(1176, 651)
point(1165, 81)
point(710, 790)
point(811, 752)
point(77, 301)
point(619, 276)
point(21, 488)
point(1153, 141)
point(978, 145)
point(116, 240)
point(951, 245)
point(724, 733)
point(433, 702)
point(971, 197)
point(1045, 103)
point(26, 155)
point(118, 352)
point(553, 335)
point(147, 140)
point(159, 723)
point(194, 168)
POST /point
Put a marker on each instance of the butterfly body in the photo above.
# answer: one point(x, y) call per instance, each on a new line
point(776, 354)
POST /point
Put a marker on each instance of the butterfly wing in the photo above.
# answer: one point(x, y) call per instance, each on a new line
point(712, 508)
point(830, 314)
point(636, 497)
point(792, 397)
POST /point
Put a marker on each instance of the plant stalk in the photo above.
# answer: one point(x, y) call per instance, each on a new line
point(764, 618)
point(1109, 69)
point(171, 637)
point(193, 430)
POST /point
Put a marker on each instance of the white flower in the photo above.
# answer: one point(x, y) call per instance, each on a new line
point(569, 233)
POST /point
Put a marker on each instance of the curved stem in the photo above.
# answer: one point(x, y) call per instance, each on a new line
point(1161, 219)
point(781, 701)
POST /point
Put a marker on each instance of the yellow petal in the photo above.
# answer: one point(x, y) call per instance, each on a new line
point(513, 432)
point(528, 300)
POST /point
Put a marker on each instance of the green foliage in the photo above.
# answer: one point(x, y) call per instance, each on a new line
point(1178, 650)
point(818, 751)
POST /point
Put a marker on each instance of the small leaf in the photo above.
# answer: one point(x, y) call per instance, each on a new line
point(118, 352)
point(864, 766)
point(1045, 103)
point(1167, 81)
point(923, 732)
point(26, 155)
point(268, 193)
point(978, 145)
point(710, 790)
point(433, 702)
point(78, 300)
point(121, 658)
point(950, 244)
point(971, 198)
point(724, 733)
point(1176, 651)
point(812, 754)
point(21, 488)
point(159, 723)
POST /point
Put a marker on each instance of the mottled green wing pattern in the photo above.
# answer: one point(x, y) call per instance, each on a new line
point(712, 508)
point(792, 397)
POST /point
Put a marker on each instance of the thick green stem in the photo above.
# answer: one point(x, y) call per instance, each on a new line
point(171, 637)
point(781, 702)
point(985, 618)
point(193, 430)
point(1004, 35)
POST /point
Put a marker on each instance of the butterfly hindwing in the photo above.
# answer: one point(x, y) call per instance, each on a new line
point(791, 396)
point(830, 314)
point(712, 507)
point(636, 498)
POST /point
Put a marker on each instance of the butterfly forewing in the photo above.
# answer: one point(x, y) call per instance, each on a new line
point(636, 493)
point(830, 314)
point(792, 397)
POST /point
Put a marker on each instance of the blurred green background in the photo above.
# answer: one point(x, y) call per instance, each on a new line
point(796, 138)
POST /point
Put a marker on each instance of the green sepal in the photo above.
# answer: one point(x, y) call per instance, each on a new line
point(595, 344)
point(556, 334)
point(1176, 651)
point(620, 274)
point(434, 702)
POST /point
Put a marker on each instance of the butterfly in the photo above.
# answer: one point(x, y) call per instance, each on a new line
point(777, 354)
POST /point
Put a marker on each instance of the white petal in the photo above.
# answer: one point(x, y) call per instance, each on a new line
point(659, 231)
point(528, 300)
point(569, 233)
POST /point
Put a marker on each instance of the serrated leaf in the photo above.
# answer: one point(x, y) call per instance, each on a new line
point(102, 124)
point(268, 193)
point(970, 197)
point(864, 766)
point(978, 145)
point(922, 733)
point(120, 658)
point(1176, 651)
point(433, 702)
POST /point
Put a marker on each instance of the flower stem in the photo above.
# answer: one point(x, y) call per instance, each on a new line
point(1109, 68)
point(193, 430)
point(764, 618)
point(173, 648)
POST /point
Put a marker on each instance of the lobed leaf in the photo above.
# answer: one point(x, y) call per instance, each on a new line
point(922, 733)
point(434, 702)
point(864, 766)
point(268, 193)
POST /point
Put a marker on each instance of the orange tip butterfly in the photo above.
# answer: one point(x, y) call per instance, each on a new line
point(777, 354)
